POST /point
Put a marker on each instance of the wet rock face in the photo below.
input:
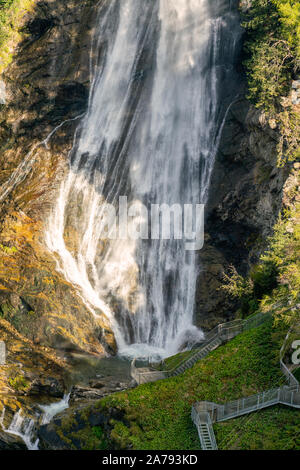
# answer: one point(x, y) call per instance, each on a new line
point(97, 389)
point(49, 387)
point(49, 77)
point(40, 26)
point(245, 199)
point(46, 86)
point(71, 97)
point(10, 442)
point(48, 83)
point(29, 373)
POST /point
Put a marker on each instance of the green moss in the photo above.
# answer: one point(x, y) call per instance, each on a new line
point(8, 250)
point(89, 438)
point(68, 422)
point(8, 311)
point(121, 435)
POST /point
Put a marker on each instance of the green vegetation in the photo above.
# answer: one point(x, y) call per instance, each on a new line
point(273, 284)
point(18, 383)
point(272, 60)
point(76, 431)
point(157, 415)
point(270, 429)
point(8, 250)
point(297, 374)
point(174, 361)
point(273, 47)
point(90, 438)
point(11, 13)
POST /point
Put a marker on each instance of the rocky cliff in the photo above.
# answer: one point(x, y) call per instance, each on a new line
point(43, 93)
point(47, 86)
point(41, 315)
point(246, 195)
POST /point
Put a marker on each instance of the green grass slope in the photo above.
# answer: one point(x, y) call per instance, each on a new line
point(157, 415)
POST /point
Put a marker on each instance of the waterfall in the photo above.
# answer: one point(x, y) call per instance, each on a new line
point(25, 427)
point(22, 427)
point(49, 411)
point(163, 75)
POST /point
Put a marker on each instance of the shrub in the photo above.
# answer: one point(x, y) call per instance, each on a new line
point(264, 279)
point(272, 47)
point(272, 50)
point(11, 13)
point(18, 383)
point(277, 277)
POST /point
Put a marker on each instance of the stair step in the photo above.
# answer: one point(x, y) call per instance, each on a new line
point(200, 355)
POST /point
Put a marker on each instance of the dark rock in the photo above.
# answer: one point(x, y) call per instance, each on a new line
point(46, 386)
point(87, 393)
point(244, 201)
point(39, 26)
point(50, 439)
point(60, 434)
point(97, 419)
point(96, 384)
point(71, 100)
point(46, 84)
point(98, 389)
point(10, 442)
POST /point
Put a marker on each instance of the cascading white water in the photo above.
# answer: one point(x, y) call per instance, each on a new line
point(22, 427)
point(49, 411)
point(163, 79)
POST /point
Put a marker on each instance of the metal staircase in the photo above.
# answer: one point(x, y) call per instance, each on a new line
point(196, 357)
point(205, 413)
point(205, 430)
point(219, 335)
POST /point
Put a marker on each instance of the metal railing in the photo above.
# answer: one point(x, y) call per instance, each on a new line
point(205, 430)
point(222, 333)
point(282, 395)
point(291, 379)
point(286, 395)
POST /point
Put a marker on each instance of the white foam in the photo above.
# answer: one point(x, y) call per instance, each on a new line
point(49, 411)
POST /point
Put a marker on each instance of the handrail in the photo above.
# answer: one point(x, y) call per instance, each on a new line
point(282, 395)
point(289, 376)
point(236, 326)
point(204, 420)
point(286, 395)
